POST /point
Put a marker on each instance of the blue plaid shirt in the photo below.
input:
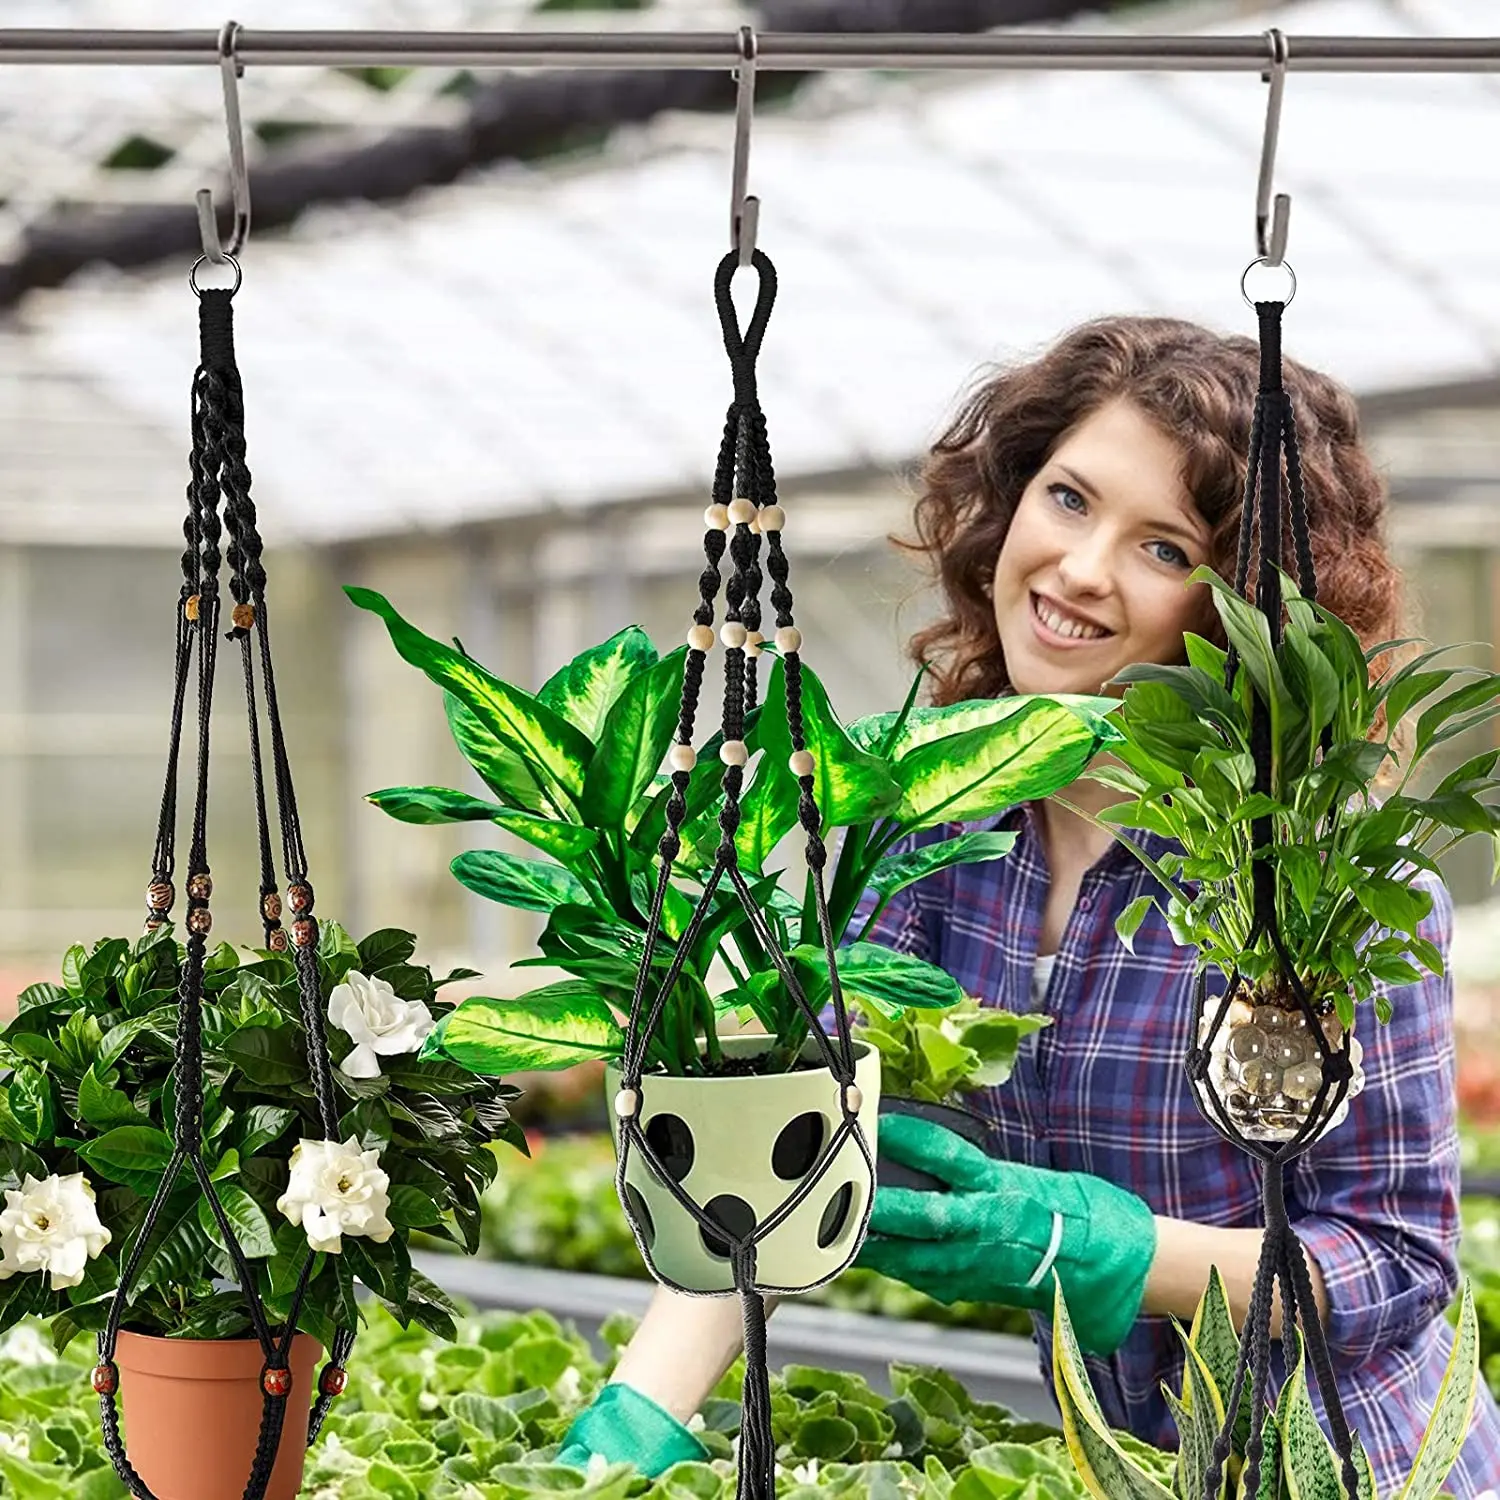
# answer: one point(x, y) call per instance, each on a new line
point(1103, 1090)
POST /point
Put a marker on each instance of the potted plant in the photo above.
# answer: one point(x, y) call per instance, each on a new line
point(1296, 1458)
point(575, 770)
point(87, 1105)
point(1347, 910)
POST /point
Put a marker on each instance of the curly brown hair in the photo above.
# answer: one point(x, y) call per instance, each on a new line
point(1199, 387)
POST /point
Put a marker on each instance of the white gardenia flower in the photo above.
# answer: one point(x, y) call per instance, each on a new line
point(381, 1023)
point(51, 1225)
point(337, 1189)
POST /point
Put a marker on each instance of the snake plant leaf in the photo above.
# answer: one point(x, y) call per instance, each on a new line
point(531, 884)
point(1217, 1343)
point(633, 741)
point(554, 1027)
point(890, 981)
point(1364, 1470)
point(850, 785)
point(585, 690)
point(1449, 1424)
point(1309, 1467)
point(554, 749)
point(1270, 1486)
point(1106, 1470)
point(978, 772)
point(897, 871)
point(1200, 1418)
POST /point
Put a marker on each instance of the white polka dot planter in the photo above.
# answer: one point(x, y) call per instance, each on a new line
point(739, 1146)
point(1266, 1068)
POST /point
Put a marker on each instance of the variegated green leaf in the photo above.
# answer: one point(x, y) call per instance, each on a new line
point(1200, 1418)
point(1310, 1470)
point(584, 690)
point(1218, 1344)
point(1449, 1424)
point(1364, 1470)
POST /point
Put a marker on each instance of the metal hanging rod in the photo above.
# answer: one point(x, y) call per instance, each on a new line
point(777, 51)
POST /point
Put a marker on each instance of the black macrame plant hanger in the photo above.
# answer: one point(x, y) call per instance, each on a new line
point(744, 473)
point(1273, 433)
point(218, 470)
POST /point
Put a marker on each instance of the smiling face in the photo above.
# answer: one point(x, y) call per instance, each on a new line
point(1092, 572)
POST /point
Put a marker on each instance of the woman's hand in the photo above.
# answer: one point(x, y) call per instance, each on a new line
point(1003, 1231)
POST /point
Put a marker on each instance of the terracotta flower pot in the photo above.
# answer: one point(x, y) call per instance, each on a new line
point(739, 1145)
point(962, 1122)
point(192, 1410)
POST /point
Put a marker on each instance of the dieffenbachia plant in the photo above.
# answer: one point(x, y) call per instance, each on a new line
point(1341, 855)
point(575, 770)
point(1298, 1459)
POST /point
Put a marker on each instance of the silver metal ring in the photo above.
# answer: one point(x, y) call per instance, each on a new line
point(198, 291)
point(1265, 260)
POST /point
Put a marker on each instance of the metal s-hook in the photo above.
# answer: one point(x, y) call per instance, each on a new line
point(1271, 217)
point(231, 70)
point(744, 211)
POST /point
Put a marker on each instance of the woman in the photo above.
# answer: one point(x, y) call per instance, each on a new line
point(1061, 514)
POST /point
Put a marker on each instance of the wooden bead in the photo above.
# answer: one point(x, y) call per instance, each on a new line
point(243, 616)
point(299, 897)
point(104, 1378)
point(701, 638)
point(752, 644)
point(734, 753)
point(716, 518)
point(801, 762)
point(854, 1098)
point(276, 1382)
point(682, 757)
point(627, 1103)
point(200, 920)
point(277, 940)
point(772, 518)
point(304, 932)
point(155, 924)
point(270, 906)
point(190, 607)
point(733, 634)
point(160, 895)
point(742, 511)
point(788, 639)
point(200, 887)
point(333, 1380)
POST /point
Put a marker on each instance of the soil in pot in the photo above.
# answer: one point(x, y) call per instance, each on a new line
point(192, 1410)
point(960, 1121)
point(739, 1146)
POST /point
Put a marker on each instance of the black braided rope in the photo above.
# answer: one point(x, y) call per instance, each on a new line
point(1273, 440)
point(744, 470)
point(218, 471)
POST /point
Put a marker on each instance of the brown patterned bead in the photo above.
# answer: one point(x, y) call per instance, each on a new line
point(160, 895)
point(299, 897)
point(104, 1378)
point(243, 616)
point(200, 886)
point(277, 940)
point(270, 906)
point(190, 608)
point(200, 920)
point(155, 924)
point(276, 1382)
point(333, 1380)
point(304, 932)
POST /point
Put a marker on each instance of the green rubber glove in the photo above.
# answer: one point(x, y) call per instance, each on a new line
point(1004, 1230)
point(624, 1424)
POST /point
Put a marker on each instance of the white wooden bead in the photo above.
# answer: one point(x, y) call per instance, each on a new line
point(733, 634)
point(734, 753)
point(788, 639)
point(801, 762)
point(701, 637)
point(682, 757)
point(752, 644)
point(755, 526)
point(772, 518)
point(854, 1098)
point(716, 518)
point(627, 1102)
point(741, 510)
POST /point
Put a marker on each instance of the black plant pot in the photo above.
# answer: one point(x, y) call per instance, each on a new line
point(961, 1122)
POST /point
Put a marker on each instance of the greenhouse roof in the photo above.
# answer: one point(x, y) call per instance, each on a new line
point(533, 341)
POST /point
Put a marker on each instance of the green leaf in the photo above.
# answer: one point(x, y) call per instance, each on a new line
point(554, 1027)
point(554, 748)
point(633, 741)
point(1200, 1418)
point(531, 884)
point(268, 1055)
point(433, 804)
point(388, 945)
point(133, 1155)
point(1392, 903)
point(1128, 923)
point(251, 1227)
point(585, 690)
point(888, 980)
point(30, 1099)
point(502, 769)
point(1214, 1337)
point(897, 871)
point(849, 784)
point(768, 812)
point(1303, 869)
point(72, 968)
point(104, 1106)
point(1477, 695)
point(976, 773)
point(1449, 1424)
point(1309, 1467)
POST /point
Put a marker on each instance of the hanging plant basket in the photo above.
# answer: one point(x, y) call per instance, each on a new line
point(210, 1388)
point(740, 1146)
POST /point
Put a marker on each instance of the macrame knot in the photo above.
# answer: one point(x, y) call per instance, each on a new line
point(216, 331)
point(743, 1262)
